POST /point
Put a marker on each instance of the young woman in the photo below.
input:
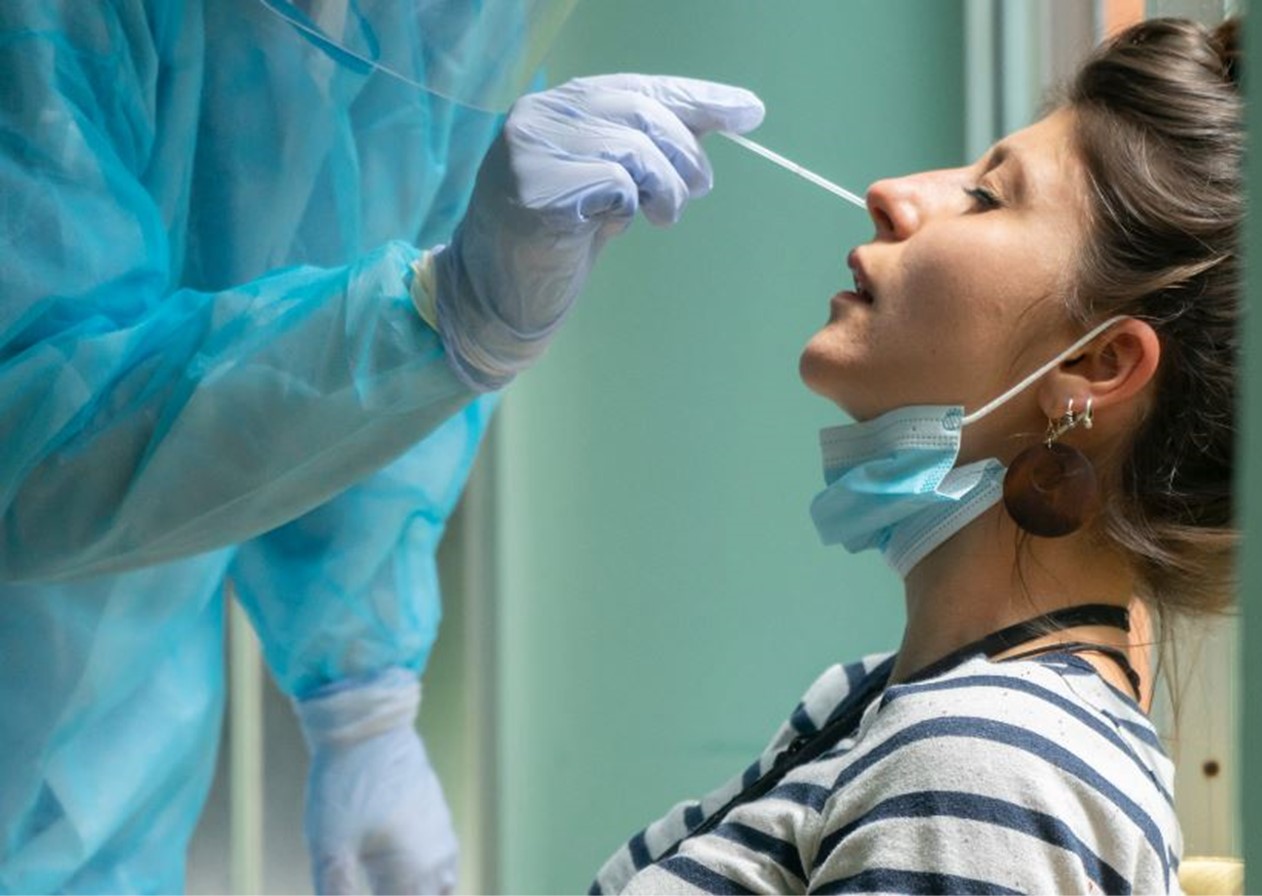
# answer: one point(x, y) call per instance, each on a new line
point(1040, 350)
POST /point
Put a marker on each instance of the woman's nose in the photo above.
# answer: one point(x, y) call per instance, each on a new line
point(891, 203)
point(899, 206)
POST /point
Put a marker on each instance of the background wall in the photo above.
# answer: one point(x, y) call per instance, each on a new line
point(664, 597)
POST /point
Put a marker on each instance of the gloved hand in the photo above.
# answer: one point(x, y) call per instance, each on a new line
point(567, 172)
point(375, 815)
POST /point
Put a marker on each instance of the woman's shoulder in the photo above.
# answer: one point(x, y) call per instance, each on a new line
point(1026, 749)
point(837, 684)
point(1053, 717)
point(1060, 696)
point(1058, 691)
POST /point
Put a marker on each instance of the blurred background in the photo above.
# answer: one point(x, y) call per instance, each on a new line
point(635, 596)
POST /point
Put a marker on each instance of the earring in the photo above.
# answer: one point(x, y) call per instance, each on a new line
point(1051, 490)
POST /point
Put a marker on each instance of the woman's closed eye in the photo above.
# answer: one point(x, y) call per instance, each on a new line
point(985, 199)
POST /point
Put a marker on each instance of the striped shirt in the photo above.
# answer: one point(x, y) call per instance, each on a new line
point(1026, 776)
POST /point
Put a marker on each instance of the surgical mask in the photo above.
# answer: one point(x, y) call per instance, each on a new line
point(892, 483)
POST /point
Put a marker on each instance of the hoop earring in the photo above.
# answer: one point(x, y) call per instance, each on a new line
point(1051, 489)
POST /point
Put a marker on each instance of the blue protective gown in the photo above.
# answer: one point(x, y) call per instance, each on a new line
point(206, 225)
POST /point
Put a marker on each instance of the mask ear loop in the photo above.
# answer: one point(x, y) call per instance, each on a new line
point(1034, 377)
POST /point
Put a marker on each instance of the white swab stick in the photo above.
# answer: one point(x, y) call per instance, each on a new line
point(795, 168)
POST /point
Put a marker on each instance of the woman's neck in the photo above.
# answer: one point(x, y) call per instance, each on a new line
point(985, 578)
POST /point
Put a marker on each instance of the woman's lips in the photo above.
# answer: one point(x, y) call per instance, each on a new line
point(845, 300)
point(862, 283)
point(861, 294)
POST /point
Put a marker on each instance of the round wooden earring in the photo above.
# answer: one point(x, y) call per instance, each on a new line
point(1050, 490)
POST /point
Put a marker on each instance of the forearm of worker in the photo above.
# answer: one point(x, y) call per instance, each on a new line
point(213, 417)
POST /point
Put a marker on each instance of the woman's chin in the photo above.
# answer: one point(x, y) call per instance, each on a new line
point(825, 375)
point(812, 369)
point(822, 375)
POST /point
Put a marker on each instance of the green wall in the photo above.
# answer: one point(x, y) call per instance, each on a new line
point(664, 599)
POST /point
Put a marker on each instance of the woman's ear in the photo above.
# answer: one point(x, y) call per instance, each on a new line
point(1112, 370)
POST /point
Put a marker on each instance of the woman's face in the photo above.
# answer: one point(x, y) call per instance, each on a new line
point(961, 292)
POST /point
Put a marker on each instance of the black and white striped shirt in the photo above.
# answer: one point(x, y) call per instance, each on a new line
point(1029, 776)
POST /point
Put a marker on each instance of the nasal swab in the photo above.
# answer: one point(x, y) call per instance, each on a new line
point(795, 168)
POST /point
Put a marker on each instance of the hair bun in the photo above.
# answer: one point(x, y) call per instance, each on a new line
point(1226, 42)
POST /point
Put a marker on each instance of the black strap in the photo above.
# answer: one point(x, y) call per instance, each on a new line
point(1005, 639)
point(1116, 654)
point(845, 718)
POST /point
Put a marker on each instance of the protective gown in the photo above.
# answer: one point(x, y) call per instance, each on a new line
point(206, 225)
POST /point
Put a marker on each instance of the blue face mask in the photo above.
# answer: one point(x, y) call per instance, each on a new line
point(892, 483)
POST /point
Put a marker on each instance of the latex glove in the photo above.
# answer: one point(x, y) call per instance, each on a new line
point(568, 170)
point(376, 820)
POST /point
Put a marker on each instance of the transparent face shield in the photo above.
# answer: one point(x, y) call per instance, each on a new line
point(480, 54)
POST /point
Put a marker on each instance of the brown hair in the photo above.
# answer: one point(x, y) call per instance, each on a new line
point(1159, 124)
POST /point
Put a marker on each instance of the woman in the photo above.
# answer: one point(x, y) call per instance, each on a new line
point(1040, 349)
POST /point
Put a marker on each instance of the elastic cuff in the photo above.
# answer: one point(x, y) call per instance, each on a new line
point(357, 709)
point(422, 288)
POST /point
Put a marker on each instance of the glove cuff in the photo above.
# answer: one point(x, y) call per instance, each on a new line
point(424, 292)
point(460, 313)
point(354, 710)
point(486, 350)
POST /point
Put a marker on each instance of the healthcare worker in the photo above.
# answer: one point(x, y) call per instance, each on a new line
point(241, 336)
